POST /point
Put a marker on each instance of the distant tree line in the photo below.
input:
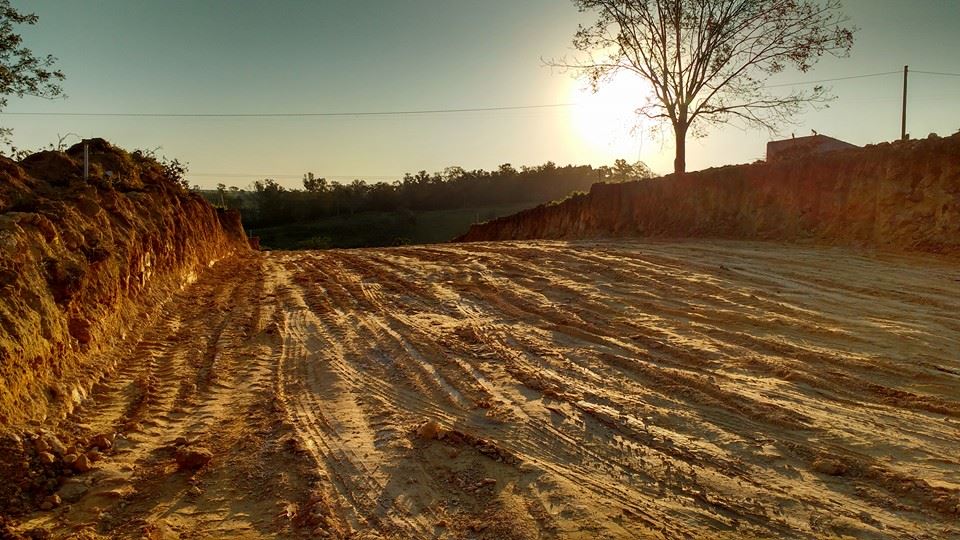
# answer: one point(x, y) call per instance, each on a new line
point(269, 204)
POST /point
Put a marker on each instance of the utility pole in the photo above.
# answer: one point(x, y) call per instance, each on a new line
point(903, 116)
point(86, 161)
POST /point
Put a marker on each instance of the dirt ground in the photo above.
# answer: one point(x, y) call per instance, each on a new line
point(534, 390)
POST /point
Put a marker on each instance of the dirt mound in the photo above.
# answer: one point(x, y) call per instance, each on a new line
point(904, 195)
point(81, 261)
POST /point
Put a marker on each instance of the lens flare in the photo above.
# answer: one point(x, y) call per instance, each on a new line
point(606, 121)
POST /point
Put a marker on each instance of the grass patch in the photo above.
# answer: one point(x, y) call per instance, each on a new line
point(381, 229)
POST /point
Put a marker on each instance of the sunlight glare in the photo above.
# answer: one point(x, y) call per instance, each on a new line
point(605, 120)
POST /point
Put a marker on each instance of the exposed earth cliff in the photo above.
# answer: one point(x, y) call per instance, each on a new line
point(903, 196)
point(81, 261)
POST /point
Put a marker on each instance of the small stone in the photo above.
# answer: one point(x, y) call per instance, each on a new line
point(51, 501)
point(72, 490)
point(429, 430)
point(180, 441)
point(55, 445)
point(195, 491)
point(484, 483)
point(46, 458)
point(93, 455)
point(102, 441)
point(193, 458)
point(829, 466)
point(442, 523)
point(82, 464)
point(69, 459)
point(41, 445)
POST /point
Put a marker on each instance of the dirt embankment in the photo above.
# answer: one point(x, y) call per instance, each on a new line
point(902, 196)
point(81, 261)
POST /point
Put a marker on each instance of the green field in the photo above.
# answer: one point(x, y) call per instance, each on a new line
point(378, 229)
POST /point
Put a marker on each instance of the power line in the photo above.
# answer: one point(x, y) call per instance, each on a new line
point(937, 73)
point(411, 112)
point(299, 114)
point(834, 79)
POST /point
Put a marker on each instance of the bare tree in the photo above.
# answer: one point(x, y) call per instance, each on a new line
point(708, 59)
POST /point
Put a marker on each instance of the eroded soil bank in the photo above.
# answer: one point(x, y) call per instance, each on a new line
point(899, 196)
point(616, 389)
point(83, 264)
point(80, 259)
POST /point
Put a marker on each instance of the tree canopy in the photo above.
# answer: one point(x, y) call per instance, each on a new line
point(21, 72)
point(709, 59)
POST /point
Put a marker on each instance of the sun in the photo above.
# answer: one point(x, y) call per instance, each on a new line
point(606, 121)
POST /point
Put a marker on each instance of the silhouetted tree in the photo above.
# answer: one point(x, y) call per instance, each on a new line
point(269, 204)
point(270, 199)
point(313, 184)
point(22, 73)
point(622, 171)
point(708, 59)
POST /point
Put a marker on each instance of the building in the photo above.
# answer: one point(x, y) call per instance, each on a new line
point(804, 146)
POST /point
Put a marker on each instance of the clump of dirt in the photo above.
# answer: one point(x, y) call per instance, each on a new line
point(40, 463)
point(901, 196)
point(79, 259)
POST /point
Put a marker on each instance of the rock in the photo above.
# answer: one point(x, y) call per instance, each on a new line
point(195, 491)
point(72, 490)
point(193, 458)
point(55, 445)
point(441, 523)
point(41, 445)
point(46, 458)
point(429, 430)
point(69, 459)
point(483, 483)
point(82, 464)
point(180, 441)
point(93, 455)
point(50, 502)
point(829, 466)
point(102, 441)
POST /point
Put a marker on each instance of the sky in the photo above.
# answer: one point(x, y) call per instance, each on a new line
point(284, 56)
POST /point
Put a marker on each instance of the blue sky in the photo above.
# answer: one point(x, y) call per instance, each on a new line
point(364, 55)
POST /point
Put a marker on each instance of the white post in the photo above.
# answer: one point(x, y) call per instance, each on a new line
point(86, 161)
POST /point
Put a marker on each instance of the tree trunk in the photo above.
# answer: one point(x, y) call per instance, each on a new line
point(680, 162)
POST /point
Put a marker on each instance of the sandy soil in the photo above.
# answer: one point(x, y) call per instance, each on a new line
point(536, 390)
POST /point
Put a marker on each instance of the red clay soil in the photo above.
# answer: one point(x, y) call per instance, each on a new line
point(78, 259)
point(901, 196)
